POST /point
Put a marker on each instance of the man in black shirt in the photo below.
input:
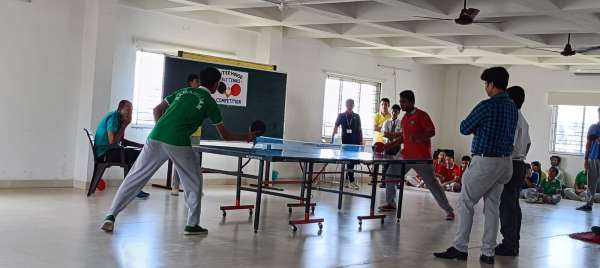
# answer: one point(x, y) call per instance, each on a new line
point(351, 134)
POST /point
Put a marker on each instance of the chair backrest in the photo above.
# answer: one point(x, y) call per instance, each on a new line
point(90, 137)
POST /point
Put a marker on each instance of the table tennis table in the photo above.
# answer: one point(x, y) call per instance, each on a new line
point(268, 150)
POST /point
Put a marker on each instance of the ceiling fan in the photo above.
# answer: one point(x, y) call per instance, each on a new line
point(568, 50)
point(466, 17)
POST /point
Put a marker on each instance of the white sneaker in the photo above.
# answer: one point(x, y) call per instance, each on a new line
point(354, 186)
point(175, 192)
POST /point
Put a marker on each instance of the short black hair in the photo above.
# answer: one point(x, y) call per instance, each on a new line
point(396, 107)
point(497, 75)
point(350, 100)
point(122, 104)
point(192, 77)
point(466, 158)
point(556, 157)
point(408, 94)
point(553, 168)
point(536, 163)
point(517, 94)
point(386, 100)
point(209, 76)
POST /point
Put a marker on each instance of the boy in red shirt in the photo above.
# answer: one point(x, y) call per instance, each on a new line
point(452, 175)
point(417, 131)
point(439, 166)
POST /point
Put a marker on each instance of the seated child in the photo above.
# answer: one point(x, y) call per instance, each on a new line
point(534, 176)
point(548, 191)
point(452, 176)
point(579, 192)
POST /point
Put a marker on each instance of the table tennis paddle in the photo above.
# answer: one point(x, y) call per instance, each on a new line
point(222, 87)
point(258, 127)
point(379, 147)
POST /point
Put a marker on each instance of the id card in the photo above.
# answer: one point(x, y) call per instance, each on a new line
point(348, 131)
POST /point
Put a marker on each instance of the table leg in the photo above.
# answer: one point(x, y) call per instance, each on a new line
point(169, 176)
point(401, 193)
point(259, 186)
point(372, 215)
point(341, 193)
point(308, 173)
point(302, 198)
point(238, 193)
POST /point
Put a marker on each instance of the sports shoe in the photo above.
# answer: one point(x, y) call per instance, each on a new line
point(194, 230)
point(175, 191)
point(387, 208)
point(109, 223)
point(596, 230)
point(585, 207)
point(354, 186)
point(142, 195)
point(486, 259)
point(503, 250)
point(452, 253)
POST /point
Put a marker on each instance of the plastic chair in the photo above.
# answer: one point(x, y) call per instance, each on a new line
point(100, 166)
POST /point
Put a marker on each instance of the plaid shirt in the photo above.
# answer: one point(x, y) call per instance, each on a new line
point(493, 122)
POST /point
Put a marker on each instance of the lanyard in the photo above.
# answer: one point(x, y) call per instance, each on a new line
point(349, 123)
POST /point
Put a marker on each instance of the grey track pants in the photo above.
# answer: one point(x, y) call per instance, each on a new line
point(153, 156)
point(485, 178)
point(426, 173)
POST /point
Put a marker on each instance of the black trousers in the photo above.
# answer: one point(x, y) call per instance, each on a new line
point(510, 210)
point(114, 155)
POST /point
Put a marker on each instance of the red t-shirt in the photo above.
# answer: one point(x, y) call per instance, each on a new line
point(451, 173)
point(416, 123)
point(439, 168)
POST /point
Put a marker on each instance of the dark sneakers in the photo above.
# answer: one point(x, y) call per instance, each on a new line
point(452, 253)
point(596, 230)
point(143, 195)
point(503, 250)
point(585, 207)
point(194, 230)
point(486, 259)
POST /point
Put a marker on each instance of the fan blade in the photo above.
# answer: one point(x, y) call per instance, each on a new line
point(433, 18)
point(472, 12)
point(584, 50)
point(542, 49)
point(489, 21)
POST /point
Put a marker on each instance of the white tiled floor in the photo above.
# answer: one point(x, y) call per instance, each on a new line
point(59, 228)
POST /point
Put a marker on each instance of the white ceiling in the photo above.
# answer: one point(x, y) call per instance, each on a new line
point(387, 28)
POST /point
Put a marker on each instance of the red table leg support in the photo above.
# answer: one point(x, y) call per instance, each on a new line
point(301, 204)
point(306, 220)
point(237, 206)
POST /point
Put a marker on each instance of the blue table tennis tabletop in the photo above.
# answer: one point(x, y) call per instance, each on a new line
point(280, 150)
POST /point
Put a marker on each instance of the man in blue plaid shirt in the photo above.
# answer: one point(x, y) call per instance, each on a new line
point(493, 123)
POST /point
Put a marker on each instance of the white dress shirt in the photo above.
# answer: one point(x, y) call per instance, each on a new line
point(522, 139)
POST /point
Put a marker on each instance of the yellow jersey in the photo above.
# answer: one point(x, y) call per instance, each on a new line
point(378, 120)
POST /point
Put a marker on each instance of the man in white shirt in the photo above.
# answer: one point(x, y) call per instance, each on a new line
point(510, 211)
point(391, 131)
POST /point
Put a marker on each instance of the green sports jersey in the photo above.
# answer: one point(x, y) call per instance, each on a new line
point(581, 179)
point(188, 108)
point(550, 187)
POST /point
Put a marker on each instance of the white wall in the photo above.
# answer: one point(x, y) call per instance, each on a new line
point(464, 90)
point(39, 70)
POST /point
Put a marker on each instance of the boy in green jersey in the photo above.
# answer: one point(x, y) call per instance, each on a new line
point(177, 117)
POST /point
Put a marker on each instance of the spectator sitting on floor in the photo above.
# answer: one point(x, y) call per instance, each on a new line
point(452, 175)
point(548, 192)
point(456, 186)
point(439, 166)
point(532, 181)
point(555, 162)
point(579, 192)
point(537, 172)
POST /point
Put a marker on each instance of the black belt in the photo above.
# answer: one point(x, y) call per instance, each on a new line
point(490, 155)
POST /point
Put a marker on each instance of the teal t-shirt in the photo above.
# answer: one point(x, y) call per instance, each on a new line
point(188, 107)
point(109, 123)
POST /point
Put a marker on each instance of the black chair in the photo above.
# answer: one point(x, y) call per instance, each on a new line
point(100, 165)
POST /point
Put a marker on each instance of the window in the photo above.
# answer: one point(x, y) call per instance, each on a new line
point(570, 125)
point(148, 85)
point(366, 99)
